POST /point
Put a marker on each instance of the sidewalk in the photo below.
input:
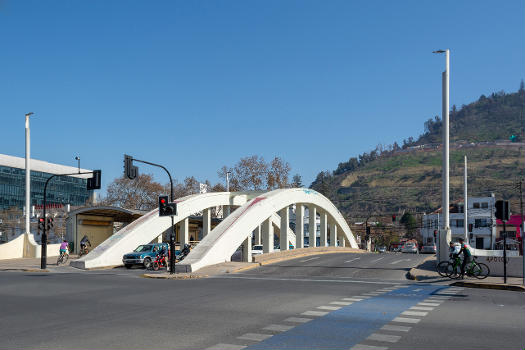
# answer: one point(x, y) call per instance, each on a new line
point(31, 264)
point(426, 272)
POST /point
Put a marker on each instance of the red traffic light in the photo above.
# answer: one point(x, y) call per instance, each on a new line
point(162, 201)
point(393, 218)
point(41, 219)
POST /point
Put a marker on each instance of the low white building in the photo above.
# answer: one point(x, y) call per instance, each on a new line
point(481, 223)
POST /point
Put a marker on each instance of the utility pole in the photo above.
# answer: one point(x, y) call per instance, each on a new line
point(465, 206)
point(445, 235)
point(520, 184)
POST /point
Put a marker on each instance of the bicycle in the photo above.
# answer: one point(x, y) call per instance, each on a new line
point(62, 259)
point(473, 269)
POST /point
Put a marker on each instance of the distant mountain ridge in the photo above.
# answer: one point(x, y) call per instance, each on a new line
point(408, 177)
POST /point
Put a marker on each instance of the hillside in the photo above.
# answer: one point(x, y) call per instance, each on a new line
point(392, 179)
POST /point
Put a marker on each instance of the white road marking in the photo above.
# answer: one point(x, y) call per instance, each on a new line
point(298, 279)
point(391, 327)
point(314, 258)
point(226, 347)
point(384, 337)
point(333, 308)
point(418, 290)
point(278, 328)
point(353, 299)
point(298, 319)
point(406, 320)
point(352, 260)
point(378, 259)
point(372, 294)
point(314, 313)
point(254, 336)
point(363, 296)
point(422, 308)
point(414, 313)
point(398, 261)
point(367, 347)
point(429, 304)
point(341, 302)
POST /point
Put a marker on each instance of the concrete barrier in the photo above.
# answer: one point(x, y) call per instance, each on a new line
point(495, 264)
point(13, 249)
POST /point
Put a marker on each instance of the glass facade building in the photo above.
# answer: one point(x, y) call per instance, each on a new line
point(60, 190)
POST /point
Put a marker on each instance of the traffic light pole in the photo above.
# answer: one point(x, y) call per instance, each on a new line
point(43, 254)
point(172, 236)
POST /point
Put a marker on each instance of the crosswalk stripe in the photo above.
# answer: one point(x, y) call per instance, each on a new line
point(406, 320)
point(384, 337)
point(353, 299)
point(367, 347)
point(297, 319)
point(391, 327)
point(341, 302)
point(314, 313)
point(429, 304)
point(226, 347)
point(254, 336)
point(422, 308)
point(329, 307)
point(414, 313)
point(278, 328)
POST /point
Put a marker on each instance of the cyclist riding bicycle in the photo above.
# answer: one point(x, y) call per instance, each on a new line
point(84, 243)
point(467, 255)
point(63, 247)
point(453, 249)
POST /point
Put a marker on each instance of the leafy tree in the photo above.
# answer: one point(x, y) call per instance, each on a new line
point(410, 224)
point(297, 181)
point(278, 174)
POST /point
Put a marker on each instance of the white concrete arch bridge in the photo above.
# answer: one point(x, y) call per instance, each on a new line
point(261, 213)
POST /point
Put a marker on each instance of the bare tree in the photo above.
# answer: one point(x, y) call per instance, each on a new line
point(141, 193)
point(297, 181)
point(278, 174)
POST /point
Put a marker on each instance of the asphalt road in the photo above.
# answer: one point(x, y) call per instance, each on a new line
point(328, 302)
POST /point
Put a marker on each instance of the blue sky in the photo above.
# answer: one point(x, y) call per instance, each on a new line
point(195, 85)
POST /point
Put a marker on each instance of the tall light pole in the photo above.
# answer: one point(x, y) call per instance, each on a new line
point(77, 158)
point(228, 181)
point(444, 236)
point(28, 174)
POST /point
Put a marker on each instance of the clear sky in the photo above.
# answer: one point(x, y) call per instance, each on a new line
point(195, 85)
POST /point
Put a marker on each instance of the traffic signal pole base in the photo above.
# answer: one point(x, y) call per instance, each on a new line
point(445, 235)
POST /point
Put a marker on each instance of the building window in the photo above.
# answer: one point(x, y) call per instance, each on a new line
point(481, 222)
point(476, 206)
point(460, 223)
point(484, 205)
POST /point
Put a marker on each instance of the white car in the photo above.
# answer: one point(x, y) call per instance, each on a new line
point(257, 249)
point(409, 248)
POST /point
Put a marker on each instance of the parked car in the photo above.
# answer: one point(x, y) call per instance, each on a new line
point(409, 248)
point(143, 254)
point(257, 249)
point(382, 249)
point(428, 249)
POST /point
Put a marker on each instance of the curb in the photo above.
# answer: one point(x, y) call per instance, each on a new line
point(489, 286)
point(25, 270)
point(172, 277)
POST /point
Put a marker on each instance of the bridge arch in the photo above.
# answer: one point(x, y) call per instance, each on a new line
point(221, 243)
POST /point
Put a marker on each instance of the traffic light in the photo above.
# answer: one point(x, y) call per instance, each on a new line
point(50, 224)
point(470, 226)
point(166, 208)
point(502, 210)
point(130, 171)
point(93, 183)
point(394, 218)
point(368, 230)
point(435, 234)
point(41, 223)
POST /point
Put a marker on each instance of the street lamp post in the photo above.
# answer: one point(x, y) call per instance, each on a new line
point(444, 237)
point(77, 158)
point(228, 181)
point(28, 174)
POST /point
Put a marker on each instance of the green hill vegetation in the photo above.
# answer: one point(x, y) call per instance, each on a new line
point(408, 177)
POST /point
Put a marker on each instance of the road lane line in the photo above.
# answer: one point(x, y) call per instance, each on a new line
point(406, 320)
point(391, 327)
point(367, 347)
point(314, 258)
point(378, 259)
point(298, 319)
point(353, 299)
point(414, 313)
point(333, 308)
point(314, 313)
point(422, 308)
point(255, 336)
point(277, 328)
point(341, 302)
point(347, 261)
point(398, 261)
point(226, 347)
point(417, 290)
point(384, 337)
